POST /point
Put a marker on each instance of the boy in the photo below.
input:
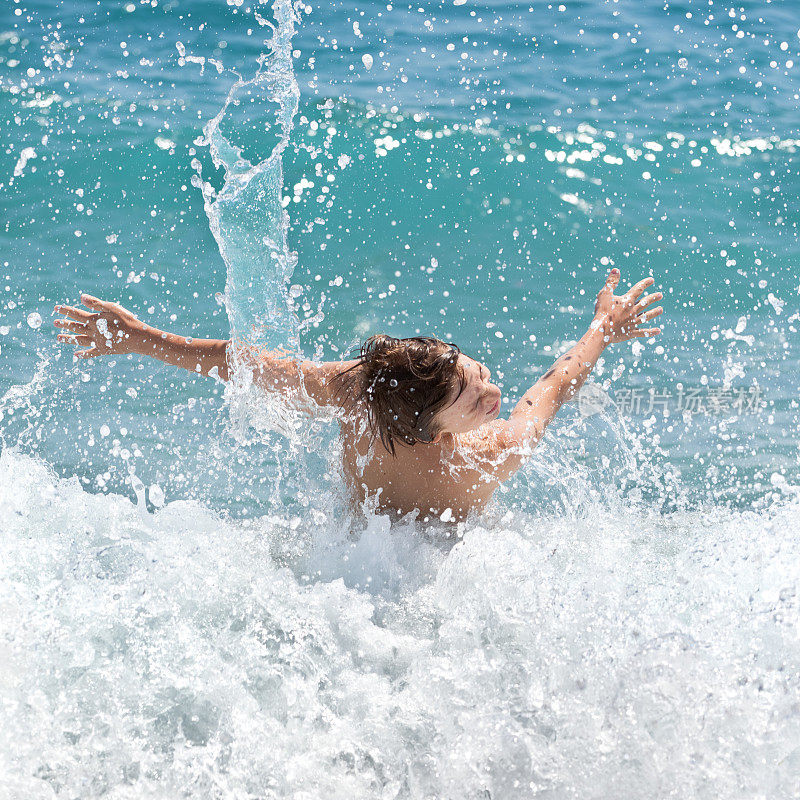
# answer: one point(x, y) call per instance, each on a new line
point(419, 419)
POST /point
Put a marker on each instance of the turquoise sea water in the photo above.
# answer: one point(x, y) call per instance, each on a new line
point(187, 610)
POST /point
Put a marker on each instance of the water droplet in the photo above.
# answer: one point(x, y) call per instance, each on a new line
point(366, 59)
point(105, 430)
point(393, 383)
point(683, 63)
point(35, 320)
point(156, 495)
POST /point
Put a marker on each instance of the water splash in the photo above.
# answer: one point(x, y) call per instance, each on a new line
point(581, 644)
point(246, 215)
point(250, 225)
point(621, 653)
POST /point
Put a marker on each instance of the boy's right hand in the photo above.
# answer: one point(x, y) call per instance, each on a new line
point(107, 329)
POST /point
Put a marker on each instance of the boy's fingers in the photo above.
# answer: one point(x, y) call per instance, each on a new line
point(649, 298)
point(74, 313)
point(75, 338)
point(647, 333)
point(638, 288)
point(612, 281)
point(651, 314)
point(94, 302)
point(90, 353)
point(70, 325)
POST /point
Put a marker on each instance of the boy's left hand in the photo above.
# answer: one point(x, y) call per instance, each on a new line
point(622, 317)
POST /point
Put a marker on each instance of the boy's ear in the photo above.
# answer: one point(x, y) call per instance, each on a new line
point(436, 438)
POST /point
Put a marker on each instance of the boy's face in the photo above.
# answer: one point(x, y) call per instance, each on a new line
point(478, 403)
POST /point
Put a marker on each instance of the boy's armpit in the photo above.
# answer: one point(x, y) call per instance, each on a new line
point(279, 371)
point(327, 384)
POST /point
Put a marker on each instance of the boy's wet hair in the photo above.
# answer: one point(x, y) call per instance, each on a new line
point(404, 384)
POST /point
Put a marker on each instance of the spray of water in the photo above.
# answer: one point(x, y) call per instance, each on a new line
point(250, 224)
point(591, 646)
point(246, 215)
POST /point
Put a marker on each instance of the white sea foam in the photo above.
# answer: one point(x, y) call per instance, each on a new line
point(609, 653)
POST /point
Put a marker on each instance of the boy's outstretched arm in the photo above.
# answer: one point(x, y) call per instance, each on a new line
point(616, 319)
point(109, 329)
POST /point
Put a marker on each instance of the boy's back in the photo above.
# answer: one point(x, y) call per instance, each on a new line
point(435, 479)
